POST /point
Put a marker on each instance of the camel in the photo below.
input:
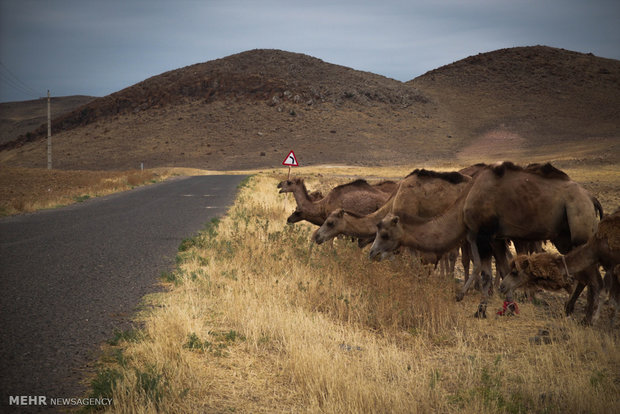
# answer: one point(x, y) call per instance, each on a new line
point(505, 201)
point(422, 193)
point(358, 196)
point(554, 272)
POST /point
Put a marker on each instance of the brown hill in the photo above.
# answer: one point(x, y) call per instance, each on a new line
point(19, 118)
point(248, 110)
point(533, 98)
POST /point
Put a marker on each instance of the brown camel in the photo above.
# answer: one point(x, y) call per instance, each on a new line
point(358, 196)
point(505, 201)
point(553, 272)
point(422, 193)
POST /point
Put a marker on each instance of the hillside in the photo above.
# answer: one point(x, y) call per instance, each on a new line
point(248, 110)
point(19, 118)
point(529, 97)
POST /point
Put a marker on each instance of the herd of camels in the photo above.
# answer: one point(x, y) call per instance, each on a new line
point(479, 210)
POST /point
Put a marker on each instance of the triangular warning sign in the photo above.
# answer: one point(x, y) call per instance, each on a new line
point(291, 160)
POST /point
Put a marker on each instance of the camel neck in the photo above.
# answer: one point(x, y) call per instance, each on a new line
point(580, 258)
point(366, 226)
point(361, 226)
point(301, 194)
point(439, 234)
point(305, 203)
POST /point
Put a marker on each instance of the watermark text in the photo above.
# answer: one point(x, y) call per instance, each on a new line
point(40, 400)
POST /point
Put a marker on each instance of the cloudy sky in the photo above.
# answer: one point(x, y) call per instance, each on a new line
point(97, 47)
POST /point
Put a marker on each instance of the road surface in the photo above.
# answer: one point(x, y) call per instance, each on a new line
point(70, 277)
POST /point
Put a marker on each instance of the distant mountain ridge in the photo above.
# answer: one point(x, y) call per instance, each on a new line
point(247, 108)
point(261, 74)
point(19, 118)
point(536, 90)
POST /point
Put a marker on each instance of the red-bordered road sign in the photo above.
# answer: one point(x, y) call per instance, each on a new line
point(291, 160)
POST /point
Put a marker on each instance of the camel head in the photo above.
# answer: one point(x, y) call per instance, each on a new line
point(289, 186)
point(544, 270)
point(333, 226)
point(518, 275)
point(389, 235)
point(295, 217)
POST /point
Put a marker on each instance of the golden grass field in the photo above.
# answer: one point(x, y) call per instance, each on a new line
point(257, 319)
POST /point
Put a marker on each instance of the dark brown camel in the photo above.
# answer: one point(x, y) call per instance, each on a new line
point(506, 201)
point(422, 193)
point(358, 196)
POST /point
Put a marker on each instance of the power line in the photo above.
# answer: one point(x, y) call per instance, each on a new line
point(14, 82)
point(4, 79)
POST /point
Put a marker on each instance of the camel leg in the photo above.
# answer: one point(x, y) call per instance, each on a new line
point(465, 258)
point(475, 246)
point(614, 292)
point(475, 257)
point(501, 254)
point(593, 307)
point(451, 262)
point(471, 238)
point(487, 287)
point(595, 285)
point(444, 265)
point(569, 307)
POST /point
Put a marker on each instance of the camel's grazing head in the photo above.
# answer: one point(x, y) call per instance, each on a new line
point(544, 270)
point(388, 239)
point(333, 226)
point(518, 276)
point(295, 217)
point(289, 186)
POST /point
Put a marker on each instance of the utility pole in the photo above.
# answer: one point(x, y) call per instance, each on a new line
point(49, 132)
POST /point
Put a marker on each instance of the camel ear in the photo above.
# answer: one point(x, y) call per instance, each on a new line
point(525, 264)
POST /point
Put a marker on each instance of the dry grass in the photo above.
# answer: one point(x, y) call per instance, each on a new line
point(258, 320)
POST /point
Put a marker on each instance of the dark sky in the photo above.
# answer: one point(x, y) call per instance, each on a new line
point(87, 47)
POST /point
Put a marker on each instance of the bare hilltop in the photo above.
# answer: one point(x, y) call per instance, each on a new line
point(248, 110)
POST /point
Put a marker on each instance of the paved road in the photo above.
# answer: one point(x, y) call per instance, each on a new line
point(70, 277)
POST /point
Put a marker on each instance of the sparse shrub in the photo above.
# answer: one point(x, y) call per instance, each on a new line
point(102, 386)
point(169, 277)
point(82, 198)
point(187, 244)
point(196, 344)
point(129, 335)
point(152, 383)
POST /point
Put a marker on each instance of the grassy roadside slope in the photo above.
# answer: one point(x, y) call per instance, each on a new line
point(256, 319)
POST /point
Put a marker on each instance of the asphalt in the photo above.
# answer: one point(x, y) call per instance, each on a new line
point(72, 276)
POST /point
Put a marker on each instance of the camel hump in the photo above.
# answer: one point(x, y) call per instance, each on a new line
point(548, 171)
point(451, 177)
point(543, 170)
point(358, 184)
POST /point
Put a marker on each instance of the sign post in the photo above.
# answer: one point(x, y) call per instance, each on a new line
point(290, 161)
